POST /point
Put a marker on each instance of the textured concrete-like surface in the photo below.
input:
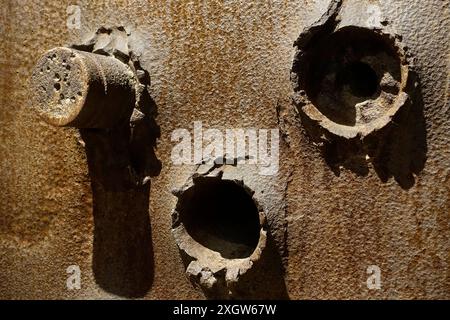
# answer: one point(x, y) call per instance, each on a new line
point(226, 64)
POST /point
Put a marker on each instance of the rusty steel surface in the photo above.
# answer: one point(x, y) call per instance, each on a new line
point(227, 64)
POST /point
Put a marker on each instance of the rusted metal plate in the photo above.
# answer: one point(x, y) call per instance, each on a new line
point(227, 64)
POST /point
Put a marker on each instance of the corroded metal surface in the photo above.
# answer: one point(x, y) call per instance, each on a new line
point(226, 64)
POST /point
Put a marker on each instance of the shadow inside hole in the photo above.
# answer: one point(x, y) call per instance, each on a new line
point(123, 252)
point(222, 216)
point(337, 75)
point(360, 78)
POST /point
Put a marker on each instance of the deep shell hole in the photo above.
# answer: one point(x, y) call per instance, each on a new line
point(343, 52)
point(222, 216)
point(344, 68)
